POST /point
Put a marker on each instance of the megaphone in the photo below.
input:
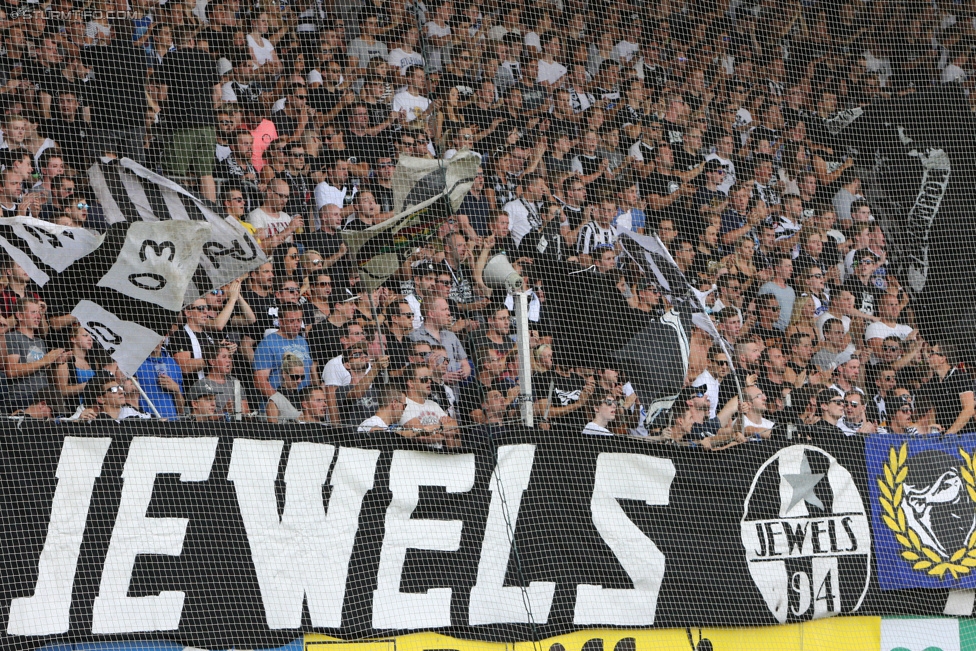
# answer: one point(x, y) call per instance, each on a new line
point(500, 273)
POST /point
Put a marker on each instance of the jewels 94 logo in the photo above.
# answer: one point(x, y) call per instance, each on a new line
point(806, 536)
point(928, 503)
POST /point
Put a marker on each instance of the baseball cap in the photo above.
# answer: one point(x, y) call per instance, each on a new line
point(201, 390)
point(422, 268)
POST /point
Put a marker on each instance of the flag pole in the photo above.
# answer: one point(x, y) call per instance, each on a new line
point(142, 393)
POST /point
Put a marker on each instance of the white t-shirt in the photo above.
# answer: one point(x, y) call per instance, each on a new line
point(372, 423)
point(592, 429)
point(879, 330)
point(765, 423)
point(518, 219)
point(263, 51)
point(826, 316)
point(403, 60)
point(429, 412)
point(274, 224)
point(326, 194)
point(414, 105)
point(335, 374)
point(550, 72)
point(711, 390)
point(624, 51)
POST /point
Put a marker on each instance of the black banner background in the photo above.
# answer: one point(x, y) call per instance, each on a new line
point(706, 581)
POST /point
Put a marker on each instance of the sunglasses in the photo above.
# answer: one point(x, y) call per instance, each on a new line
point(199, 308)
point(836, 401)
point(217, 292)
point(609, 402)
point(82, 205)
point(722, 363)
point(116, 389)
point(424, 380)
point(324, 283)
point(854, 404)
point(317, 262)
point(297, 376)
point(892, 349)
point(291, 290)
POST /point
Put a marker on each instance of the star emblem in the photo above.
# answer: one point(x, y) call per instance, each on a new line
point(803, 485)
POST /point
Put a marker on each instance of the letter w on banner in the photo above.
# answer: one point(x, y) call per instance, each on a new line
point(128, 192)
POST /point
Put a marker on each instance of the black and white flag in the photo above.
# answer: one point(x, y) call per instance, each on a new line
point(129, 192)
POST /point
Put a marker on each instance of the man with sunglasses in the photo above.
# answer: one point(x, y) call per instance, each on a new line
point(422, 414)
point(357, 397)
point(861, 283)
point(901, 414)
point(889, 309)
point(186, 344)
point(947, 397)
point(829, 409)
point(105, 398)
point(604, 412)
point(711, 378)
point(768, 307)
point(854, 421)
point(273, 225)
point(398, 326)
point(301, 197)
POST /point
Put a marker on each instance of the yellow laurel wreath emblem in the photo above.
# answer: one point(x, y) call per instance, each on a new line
point(922, 557)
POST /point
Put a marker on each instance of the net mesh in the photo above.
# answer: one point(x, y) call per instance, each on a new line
point(516, 323)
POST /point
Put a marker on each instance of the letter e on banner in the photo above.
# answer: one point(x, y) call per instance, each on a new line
point(114, 611)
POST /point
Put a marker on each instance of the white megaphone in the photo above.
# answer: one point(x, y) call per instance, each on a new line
point(500, 273)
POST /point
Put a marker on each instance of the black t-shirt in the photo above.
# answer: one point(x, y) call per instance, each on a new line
point(262, 307)
point(190, 75)
point(74, 139)
point(180, 342)
point(119, 84)
point(866, 297)
point(323, 341)
point(943, 395)
point(221, 43)
point(482, 117)
point(301, 200)
point(673, 135)
point(365, 148)
point(685, 162)
point(662, 185)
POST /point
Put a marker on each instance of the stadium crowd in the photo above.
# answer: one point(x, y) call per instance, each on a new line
point(717, 126)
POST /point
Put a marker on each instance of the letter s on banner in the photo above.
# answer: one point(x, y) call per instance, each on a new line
point(114, 611)
point(635, 477)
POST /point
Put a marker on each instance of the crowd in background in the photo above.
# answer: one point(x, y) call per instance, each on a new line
point(716, 126)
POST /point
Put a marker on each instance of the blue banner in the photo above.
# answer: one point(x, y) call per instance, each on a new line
point(923, 510)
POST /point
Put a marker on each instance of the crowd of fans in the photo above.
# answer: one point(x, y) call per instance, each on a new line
point(716, 126)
